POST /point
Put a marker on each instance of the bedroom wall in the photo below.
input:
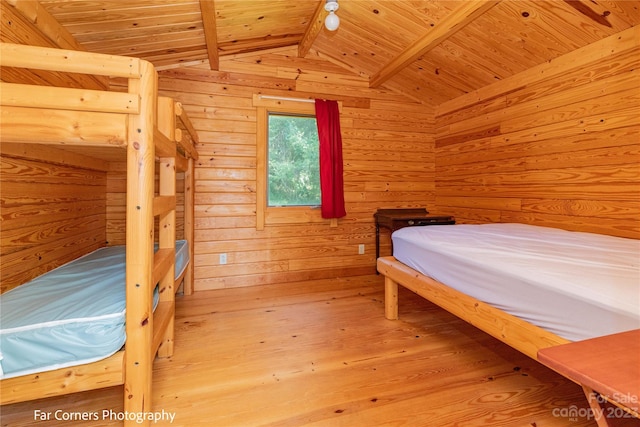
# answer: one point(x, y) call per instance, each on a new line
point(53, 211)
point(388, 162)
point(557, 145)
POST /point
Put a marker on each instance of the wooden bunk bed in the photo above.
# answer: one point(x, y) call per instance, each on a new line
point(149, 130)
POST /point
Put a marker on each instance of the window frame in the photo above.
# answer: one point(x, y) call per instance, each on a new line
point(270, 215)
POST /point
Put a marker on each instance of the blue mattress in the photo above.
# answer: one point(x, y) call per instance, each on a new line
point(69, 316)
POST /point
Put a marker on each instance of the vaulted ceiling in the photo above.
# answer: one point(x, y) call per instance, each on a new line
point(428, 50)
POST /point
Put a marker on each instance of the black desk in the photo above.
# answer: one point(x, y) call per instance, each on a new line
point(395, 219)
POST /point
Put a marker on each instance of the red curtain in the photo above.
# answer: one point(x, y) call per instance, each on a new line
point(331, 180)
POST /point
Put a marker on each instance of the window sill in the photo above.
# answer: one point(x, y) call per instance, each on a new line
point(293, 215)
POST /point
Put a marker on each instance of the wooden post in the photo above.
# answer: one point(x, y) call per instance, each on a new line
point(139, 244)
point(167, 223)
point(189, 220)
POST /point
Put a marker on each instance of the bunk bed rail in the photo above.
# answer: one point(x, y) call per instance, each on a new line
point(71, 61)
point(49, 114)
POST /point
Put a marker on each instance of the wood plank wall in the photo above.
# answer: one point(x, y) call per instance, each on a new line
point(557, 145)
point(51, 213)
point(388, 162)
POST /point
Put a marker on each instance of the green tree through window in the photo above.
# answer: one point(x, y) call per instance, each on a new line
point(293, 166)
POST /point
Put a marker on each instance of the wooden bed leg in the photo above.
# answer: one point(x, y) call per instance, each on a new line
point(390, 299)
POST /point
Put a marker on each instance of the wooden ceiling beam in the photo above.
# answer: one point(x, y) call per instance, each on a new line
point(208, 11)
point(459, 18)
point(313, 29)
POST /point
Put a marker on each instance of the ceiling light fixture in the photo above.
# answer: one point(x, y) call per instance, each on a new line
point(332, 22)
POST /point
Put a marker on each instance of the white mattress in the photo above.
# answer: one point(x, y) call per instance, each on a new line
point(575, 285)
point(69, 316)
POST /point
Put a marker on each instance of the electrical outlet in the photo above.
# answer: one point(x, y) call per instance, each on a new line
point(360, 249)
point(223, 259)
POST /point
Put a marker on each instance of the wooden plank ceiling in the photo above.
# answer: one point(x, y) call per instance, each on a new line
point(431, 51)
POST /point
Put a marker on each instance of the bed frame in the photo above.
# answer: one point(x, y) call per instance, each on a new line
point(513, 331)
point(519, 334)
point(149, 129)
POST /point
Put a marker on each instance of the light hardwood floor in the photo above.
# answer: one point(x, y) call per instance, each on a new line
point(321, 353)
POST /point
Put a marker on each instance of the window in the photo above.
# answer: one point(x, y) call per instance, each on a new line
point(278, 209)
point(293, 175)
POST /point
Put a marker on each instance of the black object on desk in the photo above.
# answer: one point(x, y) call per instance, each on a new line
point(395, 219)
